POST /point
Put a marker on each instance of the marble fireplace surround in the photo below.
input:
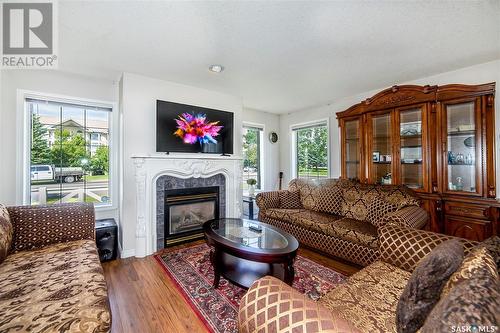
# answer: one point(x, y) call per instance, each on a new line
point(150, 168)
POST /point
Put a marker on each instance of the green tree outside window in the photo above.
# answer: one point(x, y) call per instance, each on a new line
point(251, 154)
point(40, 152)
point(312, 152)
point(69, 150)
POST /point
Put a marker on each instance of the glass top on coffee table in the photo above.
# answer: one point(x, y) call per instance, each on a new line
point(243, 251)
point(249, 233)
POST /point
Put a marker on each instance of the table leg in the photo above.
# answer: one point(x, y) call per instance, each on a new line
point(289, 271)
point(250, 210)
point(215, 259)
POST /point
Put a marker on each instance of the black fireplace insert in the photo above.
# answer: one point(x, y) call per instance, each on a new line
point(186, 210)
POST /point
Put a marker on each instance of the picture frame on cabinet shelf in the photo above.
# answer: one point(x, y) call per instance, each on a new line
point(376, 156)
point(414, 153)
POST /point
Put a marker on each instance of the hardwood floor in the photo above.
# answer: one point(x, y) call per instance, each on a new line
point(143, 299)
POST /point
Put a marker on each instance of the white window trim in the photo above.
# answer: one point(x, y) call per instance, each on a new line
point(23, 139)
point(293, 140)
point(263, 179)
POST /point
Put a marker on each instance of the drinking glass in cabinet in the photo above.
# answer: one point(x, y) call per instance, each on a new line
point(461, 137)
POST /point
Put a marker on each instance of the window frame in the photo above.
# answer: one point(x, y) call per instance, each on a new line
point(293, 133)
point(261, 129)
point(23, 153)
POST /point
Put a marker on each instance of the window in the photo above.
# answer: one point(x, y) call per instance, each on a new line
point(69, 152)
point(94, 136)
point(311, 150)
point(252, 155)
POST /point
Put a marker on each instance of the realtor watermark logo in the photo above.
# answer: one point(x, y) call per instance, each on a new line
point(473, 328)
point(29, 35)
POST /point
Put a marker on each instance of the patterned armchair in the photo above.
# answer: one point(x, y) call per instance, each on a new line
point(340, 217)
point(51, 279)
point(368, 300)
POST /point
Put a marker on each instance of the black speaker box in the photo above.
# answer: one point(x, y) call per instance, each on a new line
point(106, 239)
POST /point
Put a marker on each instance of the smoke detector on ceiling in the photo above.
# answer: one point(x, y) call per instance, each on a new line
point(216, 68)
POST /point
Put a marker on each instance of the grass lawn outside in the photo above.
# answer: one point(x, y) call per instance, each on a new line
point(311, 173)
point(98, 178)
point(87, 199)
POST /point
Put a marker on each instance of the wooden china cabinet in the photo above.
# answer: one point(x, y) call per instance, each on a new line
point(437, 140)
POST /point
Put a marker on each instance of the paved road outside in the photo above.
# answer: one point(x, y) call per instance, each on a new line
point(56, 191)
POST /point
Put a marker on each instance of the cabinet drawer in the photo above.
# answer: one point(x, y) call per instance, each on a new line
point(468, 210)
point(476, 230)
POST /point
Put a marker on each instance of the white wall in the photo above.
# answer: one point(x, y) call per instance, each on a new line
point(482, 73)
point(43, 81)
point(138, 107)
point(270, 153)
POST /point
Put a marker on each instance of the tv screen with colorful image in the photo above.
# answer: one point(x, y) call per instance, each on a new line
point(192, 129)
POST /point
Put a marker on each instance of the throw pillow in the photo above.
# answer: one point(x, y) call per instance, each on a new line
point(425, 285)
point(355, 203)
point(493, 245)
point(377, 209)
point(472, 302)
point(290, 199)
point(6, 231)
point(306, 189)
point(328, 200)
point(402, 196)
point(478, 259)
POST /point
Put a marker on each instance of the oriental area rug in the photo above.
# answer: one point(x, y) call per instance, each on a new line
point(191, 271)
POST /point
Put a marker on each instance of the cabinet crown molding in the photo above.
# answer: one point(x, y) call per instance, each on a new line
point(401, 95)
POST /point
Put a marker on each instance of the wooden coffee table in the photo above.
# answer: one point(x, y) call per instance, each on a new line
point(242, 254)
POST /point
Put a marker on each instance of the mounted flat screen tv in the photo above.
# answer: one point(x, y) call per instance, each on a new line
point(183, 128)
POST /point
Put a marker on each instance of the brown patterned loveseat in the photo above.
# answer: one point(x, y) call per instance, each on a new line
point(367, 301)
point(51, 279)
point(340, 217)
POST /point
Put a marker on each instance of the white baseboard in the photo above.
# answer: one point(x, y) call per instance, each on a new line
point(127, 253)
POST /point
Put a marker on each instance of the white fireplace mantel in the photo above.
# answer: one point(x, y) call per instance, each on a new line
point(148, 168)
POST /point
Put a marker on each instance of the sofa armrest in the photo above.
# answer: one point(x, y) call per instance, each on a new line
point(270, 305)
point(39, 226)
point(404, 247)
point(412, 217)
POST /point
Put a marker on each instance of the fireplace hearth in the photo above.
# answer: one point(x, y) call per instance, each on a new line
point(186, 210)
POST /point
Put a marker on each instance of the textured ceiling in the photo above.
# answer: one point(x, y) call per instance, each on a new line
point(279, 56)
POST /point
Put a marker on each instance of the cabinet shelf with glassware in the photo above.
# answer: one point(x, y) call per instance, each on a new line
point(437, 140)
point(352, 138)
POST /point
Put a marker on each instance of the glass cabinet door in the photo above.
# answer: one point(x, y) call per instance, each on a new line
point(411, 142)
point(381, 164)
point(352, 142)
point(462, 139)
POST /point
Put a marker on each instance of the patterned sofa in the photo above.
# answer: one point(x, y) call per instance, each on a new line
point(340, 217)
point(367, 302)
point(51, 279)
